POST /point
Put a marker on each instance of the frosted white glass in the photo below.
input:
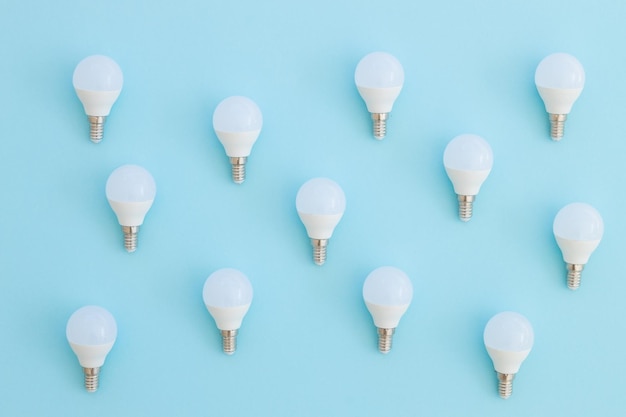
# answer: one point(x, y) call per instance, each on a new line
point(578, 221)
point(130, 184)
point(321, 196)
point(227, 287)
point(388, 286)
point(237, 114)
point(98, 73)
point(468, 152)
point(379, 70)
point(91, 326)
point(560, 71)
point(509, 331)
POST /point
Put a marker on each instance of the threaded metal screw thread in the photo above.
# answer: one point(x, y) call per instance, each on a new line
point(229, 341)
point(238, 165)
point(385, 337)
point(574, 272)
point(91, 378)
point(380, 125)
point(96, 128)
point(557, 125)
point(130, 237)
point(505, 385)
point(466, 206)
point(319, 250)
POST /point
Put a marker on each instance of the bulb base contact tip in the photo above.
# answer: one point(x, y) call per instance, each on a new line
point(238, 165)
point(557, 126)
point(379, 121)
point(574, 272)
point(466, 206)
point(229, 341)
point(385, 338)
point(505, 385)
point(130, 238)
point(96, 128)
point(91, 379)
point(319, 250)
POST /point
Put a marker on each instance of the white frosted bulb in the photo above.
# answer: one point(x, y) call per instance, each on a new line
point(379, 77)
point(560, 79)
point(91, 332)
point(387, 292)
point(227, 294)
point(98, 82)
point(130, 190)
point(320, 203)
point(578, 229)
point(237, 122)
point(508, 338)
point(468, 160)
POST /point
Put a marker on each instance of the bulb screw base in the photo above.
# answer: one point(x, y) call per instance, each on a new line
point(96, 128)
point(319, 250)
point(505, 385)
point(557, 126)
point(466, 206)
point(238, 165)
point(385, 337)
point(574, 272)
point(91, 379)
point(380, 124)
point(130, 238)
point(229, 341)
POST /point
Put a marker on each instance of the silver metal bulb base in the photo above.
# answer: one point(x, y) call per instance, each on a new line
point(574, 272)
point(91, 379)
point(229, 341)
point(238, 165)
point(466, 206)
point(380, 124)
point(385, 337)
point(505, 385)
point(557, 125)
point(96, 128)
point(319, 250)
point(130, 238)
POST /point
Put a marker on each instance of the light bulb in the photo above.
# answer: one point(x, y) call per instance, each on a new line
point(578, 229)
point(468, 160)
point(98, 82)
point(387, 292)
point(560, 79)
point(130, 190)
point(237, 122)
point(508, 338)
point(227, 294)
point(91, 333)
point(320, 203)
point(379, 77)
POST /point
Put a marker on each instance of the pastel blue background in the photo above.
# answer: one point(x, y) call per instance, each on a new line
point(308, 345)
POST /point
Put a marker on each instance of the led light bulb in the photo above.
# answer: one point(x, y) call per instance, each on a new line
point(98, 82)
point(379, 77)
point(578, 229)
point(468, 160)
point(227, 294)
point(130, 190)
point(320, 203)
point(237, 122)
point(387, 292)
point(560, 79)
point(91, 332)
point(508, 338)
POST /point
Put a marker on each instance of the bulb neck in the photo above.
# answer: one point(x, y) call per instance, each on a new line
point(574, 273)
point(238, 168)
point(505, 385)
point(91, 378)
point(385, 338)
point(557, 125)
point(96, 128)
point(319, 250)
point(379, 121)
point(130, 238)
point(466, 206)
point(229, 341)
